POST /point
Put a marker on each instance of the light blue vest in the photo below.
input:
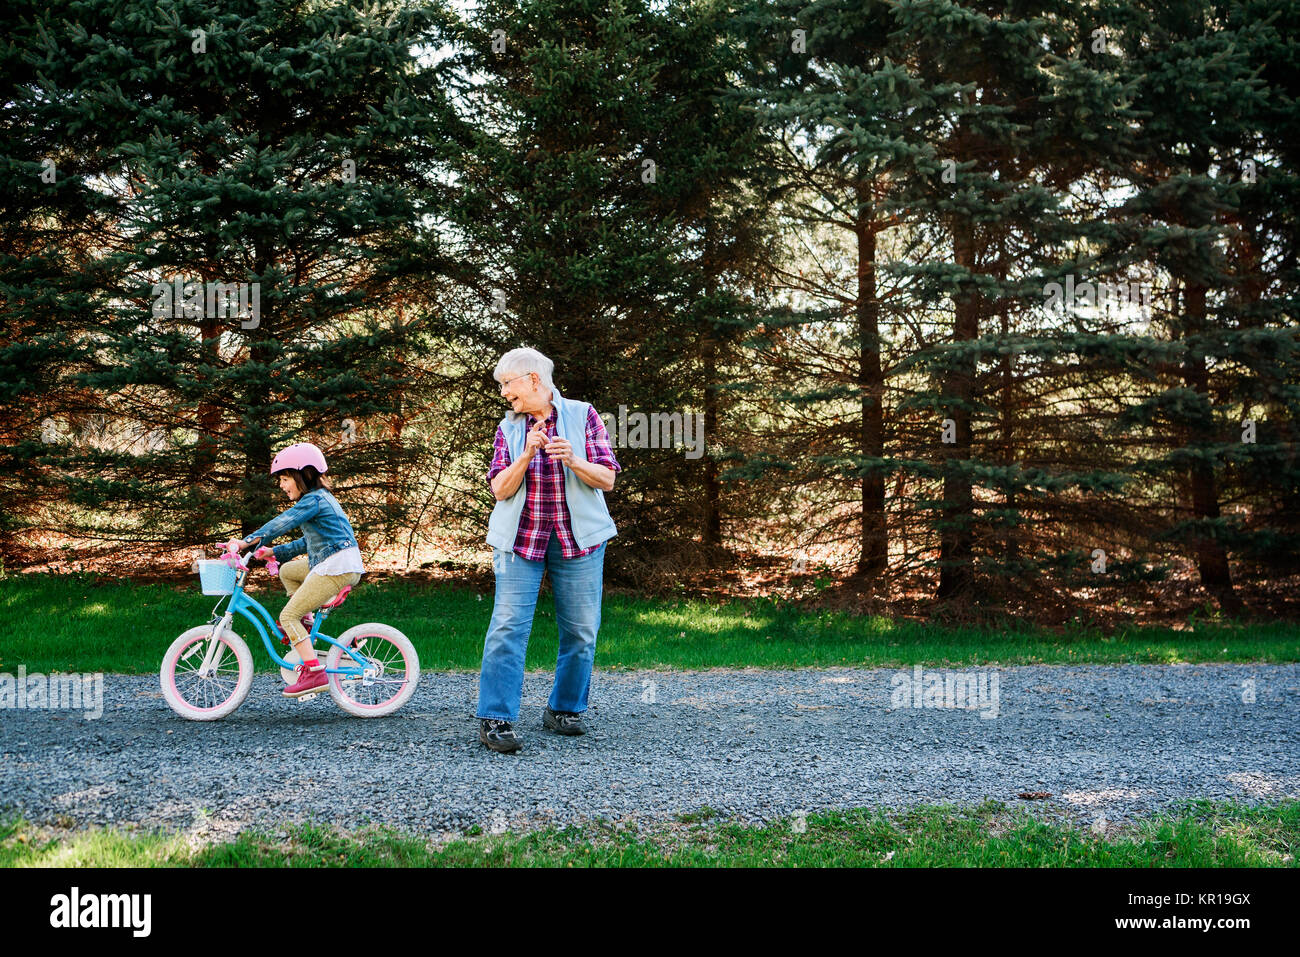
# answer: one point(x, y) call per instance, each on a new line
point(588, 516)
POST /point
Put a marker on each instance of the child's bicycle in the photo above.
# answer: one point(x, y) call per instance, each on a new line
point(206, 674)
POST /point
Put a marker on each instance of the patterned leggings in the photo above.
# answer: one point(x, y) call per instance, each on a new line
point(307, 592)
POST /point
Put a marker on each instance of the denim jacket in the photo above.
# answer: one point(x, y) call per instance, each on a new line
point(325, 529)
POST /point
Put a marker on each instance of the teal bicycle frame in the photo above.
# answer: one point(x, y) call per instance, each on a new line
point(250, 608)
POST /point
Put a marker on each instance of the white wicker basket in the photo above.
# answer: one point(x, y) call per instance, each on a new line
point(216, 577)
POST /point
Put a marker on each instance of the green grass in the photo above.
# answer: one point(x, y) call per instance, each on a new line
point(1199, 834)
point(82, 623)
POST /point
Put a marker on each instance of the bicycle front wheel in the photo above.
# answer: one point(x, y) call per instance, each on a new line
point(391, 673)
point(206, 696)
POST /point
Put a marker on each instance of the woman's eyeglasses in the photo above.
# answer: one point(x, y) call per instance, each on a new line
point(515, 379)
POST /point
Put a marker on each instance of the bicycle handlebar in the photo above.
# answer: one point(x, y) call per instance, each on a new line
point(240, 561)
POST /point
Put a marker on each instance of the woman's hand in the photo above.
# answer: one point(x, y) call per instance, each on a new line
point(560, 450)
point(536, 439)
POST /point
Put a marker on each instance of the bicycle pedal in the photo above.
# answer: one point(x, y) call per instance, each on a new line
point(308, 697)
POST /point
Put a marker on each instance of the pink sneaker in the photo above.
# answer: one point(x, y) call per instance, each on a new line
point(311, 679)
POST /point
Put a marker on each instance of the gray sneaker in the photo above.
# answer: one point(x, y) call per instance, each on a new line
point(562, 722)
point(498, 735)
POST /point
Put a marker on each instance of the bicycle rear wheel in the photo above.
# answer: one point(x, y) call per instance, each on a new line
point(392, 672)
point(207, 696)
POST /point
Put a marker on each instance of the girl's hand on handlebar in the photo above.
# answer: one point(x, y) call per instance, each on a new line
point(263, 553)
point(235, 545)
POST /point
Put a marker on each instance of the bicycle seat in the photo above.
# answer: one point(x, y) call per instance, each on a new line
point(338, 599)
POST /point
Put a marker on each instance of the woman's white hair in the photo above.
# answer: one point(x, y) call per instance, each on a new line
point(517, 362)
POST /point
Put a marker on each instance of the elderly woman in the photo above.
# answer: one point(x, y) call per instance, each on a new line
point(551, 465)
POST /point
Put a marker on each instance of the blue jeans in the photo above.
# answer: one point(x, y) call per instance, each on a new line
point(577, 584)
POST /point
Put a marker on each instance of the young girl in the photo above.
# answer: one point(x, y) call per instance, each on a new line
point(332, 560)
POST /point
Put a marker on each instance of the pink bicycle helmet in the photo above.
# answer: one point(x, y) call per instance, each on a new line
point(296, 456)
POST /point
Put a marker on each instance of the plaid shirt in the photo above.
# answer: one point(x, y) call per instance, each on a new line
point(544, 506)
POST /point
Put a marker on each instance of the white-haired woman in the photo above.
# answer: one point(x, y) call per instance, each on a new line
point(551, 465)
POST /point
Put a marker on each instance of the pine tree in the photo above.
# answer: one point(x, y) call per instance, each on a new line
point(1265, 254)
point(609, 198)
point(273, 146)
point(54, 223)
point(827, 77)
point(1198, 67)
point(947, 135)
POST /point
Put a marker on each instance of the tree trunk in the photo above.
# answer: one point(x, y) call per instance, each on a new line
point(1011, 537)
point(874, 543)
point(711, 532)
point(955, 538)
point(199, 522)
point(258, 504)
point(1211, 556)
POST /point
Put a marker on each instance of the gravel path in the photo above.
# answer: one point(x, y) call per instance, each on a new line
point(754, 745)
